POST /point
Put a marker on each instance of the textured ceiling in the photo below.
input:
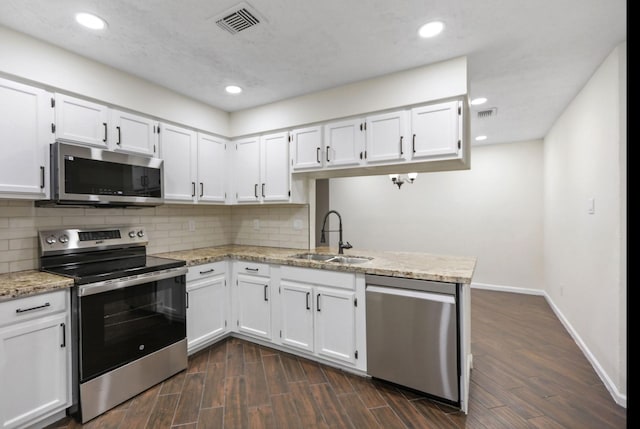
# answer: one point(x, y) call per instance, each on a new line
point(529, 58)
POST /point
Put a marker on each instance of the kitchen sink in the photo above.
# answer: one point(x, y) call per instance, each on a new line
point(338, 259)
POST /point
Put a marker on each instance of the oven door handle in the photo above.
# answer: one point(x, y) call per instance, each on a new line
point(99, 287)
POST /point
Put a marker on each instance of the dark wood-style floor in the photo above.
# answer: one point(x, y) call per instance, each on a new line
point(528, 373)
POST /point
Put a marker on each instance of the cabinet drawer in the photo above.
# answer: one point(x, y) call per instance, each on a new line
point(319, 277)
point(206, 270)
point(254, 268)
point(30, 307)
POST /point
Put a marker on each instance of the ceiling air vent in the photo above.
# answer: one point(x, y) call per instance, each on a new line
point(487, 113)
point(238, 18)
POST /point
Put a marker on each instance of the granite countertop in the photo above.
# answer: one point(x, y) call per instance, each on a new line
point(32, 282)
point(415, 265)
point(423, 266)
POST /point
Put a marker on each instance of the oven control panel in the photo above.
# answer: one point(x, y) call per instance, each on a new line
point(62, 240)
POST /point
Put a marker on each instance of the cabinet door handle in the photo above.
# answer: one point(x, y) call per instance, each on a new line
point(318, 302)
point(266, 298)
point(308, 295)
point(255, 190)
point(318, 155)
point(64, 335)
point(207, 271)
point(37, 307)
point(42, 177)
point(401, 146)
point(255, 270)
point(119, 136)
point(186, 295)
point(263, 190)
point(201, 189)
point(413, 144)
point(328, 160)
point(193, 189)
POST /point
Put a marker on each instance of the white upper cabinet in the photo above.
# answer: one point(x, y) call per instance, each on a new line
point(261, 168)
point(26, 119)
point(436, 130)
point(93, 124)
point(81, 121)
point(212, 168)
point(385, 137)
point(133, 133)
point(306, 148)
point(178, 149)
point(344, 143)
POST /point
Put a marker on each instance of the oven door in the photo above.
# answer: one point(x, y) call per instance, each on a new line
point(123, 320)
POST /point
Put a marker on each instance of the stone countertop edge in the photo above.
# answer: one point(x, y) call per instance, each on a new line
point(414, 265)
point(32, 282)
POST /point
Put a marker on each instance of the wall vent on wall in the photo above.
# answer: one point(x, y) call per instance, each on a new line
point(487, 113)
point(238, 18)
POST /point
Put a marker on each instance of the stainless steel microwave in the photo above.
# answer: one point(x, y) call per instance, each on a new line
point(82, 175)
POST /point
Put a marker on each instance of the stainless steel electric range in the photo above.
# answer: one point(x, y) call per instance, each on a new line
point(128, 313)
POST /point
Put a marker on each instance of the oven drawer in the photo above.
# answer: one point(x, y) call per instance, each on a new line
point(202, 271)
point(31, 307)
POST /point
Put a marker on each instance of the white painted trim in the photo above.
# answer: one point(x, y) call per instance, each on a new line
point(618, 397)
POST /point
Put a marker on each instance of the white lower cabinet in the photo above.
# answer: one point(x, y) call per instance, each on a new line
point(35, 358)
point(252, 299)
point(207, 304)
point(320, 313)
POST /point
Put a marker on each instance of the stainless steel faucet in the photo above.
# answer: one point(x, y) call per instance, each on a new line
point(341, 245)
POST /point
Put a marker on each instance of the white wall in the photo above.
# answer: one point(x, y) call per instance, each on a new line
point(584, 258)
point(39, 63)
point(493, 212)
point(419, 85)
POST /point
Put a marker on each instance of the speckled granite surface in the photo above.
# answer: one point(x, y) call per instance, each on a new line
point(25, 283)
point(421, 266)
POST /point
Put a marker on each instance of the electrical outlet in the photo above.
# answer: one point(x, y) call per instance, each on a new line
point(256, 224)
point(297, 224)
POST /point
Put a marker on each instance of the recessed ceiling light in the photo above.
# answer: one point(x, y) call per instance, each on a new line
point(431, 29)
point(479, 100)
point(481, 138)
point(233, 89)
point(90, 21)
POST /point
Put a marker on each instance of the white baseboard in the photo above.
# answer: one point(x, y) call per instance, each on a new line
point(621, 399)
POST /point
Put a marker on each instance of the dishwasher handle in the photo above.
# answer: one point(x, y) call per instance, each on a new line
point(428, 296)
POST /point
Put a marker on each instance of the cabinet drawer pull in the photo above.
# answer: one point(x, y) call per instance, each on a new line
point(252, 269)
point(119, 137)
point(193, 189)
point(401, 145)
point(328, 160)
point(263, 190)
point(186, 295)
point(266, 298)
point(201, 189)
point(318, 302)
point(64, 335)
point(41, 177)
point(37, 307)
point(318, 155)
point(413, 144)
point(207, 271)
point(308, 295)
point(255, 190)
point(104, 124)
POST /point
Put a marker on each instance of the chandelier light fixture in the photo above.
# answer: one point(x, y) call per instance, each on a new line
point(398, 180)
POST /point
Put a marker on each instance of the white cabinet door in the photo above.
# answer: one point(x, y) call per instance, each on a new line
point(335, 323)
point(344, 142)
point(81, 121)
point(385, 137)
point(178, 150)
point(133, 133)
point(254, 306)
point(275, 174)
point(247, 170)
point(306, 148)
point(206, 311)
point(435, 130)
point(296, 303)
point(26, 117)
point(34, 370)
point(212, 168)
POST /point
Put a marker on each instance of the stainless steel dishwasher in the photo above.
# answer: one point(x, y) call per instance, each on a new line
point(413, 335)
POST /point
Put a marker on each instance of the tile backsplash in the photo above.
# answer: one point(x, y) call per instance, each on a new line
point(169, 227)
